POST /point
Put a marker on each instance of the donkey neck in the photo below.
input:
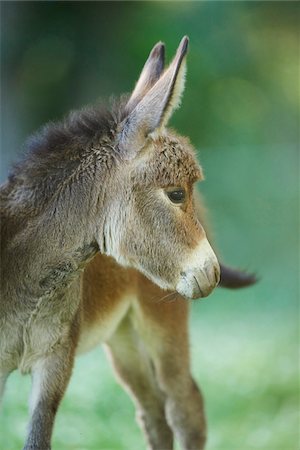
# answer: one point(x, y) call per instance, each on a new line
point(54, 207)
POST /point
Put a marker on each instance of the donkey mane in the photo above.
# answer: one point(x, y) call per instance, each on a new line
point(65, 151)
point(69, 140)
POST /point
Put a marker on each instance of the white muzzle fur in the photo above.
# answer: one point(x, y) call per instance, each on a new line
point(200, 272)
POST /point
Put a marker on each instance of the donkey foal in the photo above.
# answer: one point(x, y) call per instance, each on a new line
point(118, 183)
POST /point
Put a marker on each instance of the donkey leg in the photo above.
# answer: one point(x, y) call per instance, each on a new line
point(184, 402)
point(168, 345)
point(133, 368)
point(185, 410)
point(3, 378)
point(50, 377)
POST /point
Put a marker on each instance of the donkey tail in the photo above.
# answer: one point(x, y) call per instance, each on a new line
point(235, 279)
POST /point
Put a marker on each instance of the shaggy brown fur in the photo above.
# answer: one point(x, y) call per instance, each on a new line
point(103, 181)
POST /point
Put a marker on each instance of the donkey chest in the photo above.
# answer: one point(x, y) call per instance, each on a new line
point(105, 324)
point(48, 326)
point(40, 340)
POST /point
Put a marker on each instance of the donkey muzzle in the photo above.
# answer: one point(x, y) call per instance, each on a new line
point(200, 274)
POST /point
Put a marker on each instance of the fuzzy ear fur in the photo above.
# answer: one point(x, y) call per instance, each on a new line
point(156, 106)
point(151, 72)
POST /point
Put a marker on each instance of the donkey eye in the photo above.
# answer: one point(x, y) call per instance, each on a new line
point(176, 196)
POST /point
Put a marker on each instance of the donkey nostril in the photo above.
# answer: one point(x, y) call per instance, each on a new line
point(183, 274)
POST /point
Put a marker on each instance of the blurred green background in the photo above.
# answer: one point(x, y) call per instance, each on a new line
point(241, 111)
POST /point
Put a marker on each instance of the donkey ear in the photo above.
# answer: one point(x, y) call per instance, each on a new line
point(151, 72)
point(156, 106)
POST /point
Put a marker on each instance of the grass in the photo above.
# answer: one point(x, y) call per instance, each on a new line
point(247, 369)
point(248, 373)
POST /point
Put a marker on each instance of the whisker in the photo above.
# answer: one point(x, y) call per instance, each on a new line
point(155, 298)
point(168, 296)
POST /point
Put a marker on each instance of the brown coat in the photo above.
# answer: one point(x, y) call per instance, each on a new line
point(121, 184)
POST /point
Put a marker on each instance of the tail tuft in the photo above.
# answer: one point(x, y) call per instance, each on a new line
point(236, 279)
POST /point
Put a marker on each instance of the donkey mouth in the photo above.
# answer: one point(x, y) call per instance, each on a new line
point(198, 285)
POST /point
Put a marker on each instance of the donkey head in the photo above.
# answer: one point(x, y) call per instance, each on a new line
point(152, 224)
